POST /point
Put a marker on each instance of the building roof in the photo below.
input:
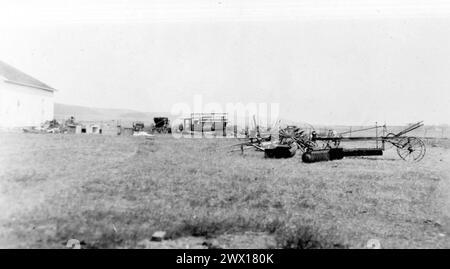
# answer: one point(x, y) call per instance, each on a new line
point(13, 75)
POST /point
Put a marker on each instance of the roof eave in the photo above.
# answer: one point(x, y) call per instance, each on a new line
point(31, 85)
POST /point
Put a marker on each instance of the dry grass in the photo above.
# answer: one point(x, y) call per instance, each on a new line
point(115, 191)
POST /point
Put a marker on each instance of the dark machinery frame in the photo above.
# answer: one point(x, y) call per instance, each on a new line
point(409, 148)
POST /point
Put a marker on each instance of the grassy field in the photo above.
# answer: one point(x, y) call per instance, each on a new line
point(115, 192)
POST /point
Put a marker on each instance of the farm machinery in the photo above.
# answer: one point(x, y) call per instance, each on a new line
point(408, 148)
point(328, 147)
point(161, 125)
point(138, 126)
point(259, 143)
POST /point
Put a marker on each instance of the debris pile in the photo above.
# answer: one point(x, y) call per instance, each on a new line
point(52, 126)
point(63, 127)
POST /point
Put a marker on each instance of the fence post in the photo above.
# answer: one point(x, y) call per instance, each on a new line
point(224, 126)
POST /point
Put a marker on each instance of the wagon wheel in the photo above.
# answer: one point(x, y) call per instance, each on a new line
point(411, 149)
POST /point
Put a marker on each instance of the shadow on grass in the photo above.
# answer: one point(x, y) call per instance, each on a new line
point(299, 237)
point(211, 228)
point(375, 159)
point(306, 237)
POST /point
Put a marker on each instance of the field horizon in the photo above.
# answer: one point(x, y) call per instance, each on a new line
point(88, 114)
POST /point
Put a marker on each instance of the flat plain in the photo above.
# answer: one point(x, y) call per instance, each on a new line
point(116, 191)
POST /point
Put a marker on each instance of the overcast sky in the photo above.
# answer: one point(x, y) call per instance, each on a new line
point(324, 62)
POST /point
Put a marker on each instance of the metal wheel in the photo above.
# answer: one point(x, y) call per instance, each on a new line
point(411, 149)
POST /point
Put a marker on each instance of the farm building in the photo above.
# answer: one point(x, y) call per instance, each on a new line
point(24, 100)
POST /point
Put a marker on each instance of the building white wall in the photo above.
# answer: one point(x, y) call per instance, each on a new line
point(22, 106)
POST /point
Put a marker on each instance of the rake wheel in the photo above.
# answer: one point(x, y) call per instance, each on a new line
point(411, 149)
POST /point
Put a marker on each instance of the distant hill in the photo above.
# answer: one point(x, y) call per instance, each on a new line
point(82, 113)
point(127, 116)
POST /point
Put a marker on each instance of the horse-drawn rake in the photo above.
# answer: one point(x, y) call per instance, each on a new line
point(325, 148)
point(409, 148)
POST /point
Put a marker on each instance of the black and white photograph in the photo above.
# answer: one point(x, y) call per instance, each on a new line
point(254, 126)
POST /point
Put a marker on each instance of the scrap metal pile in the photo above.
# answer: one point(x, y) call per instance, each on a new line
point(317, 148)
point(53, 126)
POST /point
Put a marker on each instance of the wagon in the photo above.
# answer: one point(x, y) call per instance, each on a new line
point(161, 125)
